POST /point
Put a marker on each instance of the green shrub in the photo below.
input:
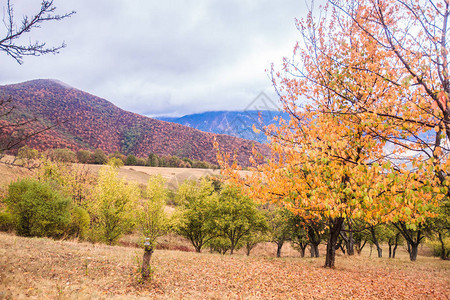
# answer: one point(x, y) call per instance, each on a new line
point(131, 160)
point(79, 223)
point(115, 162)
point(84, 156)
point(37, 208)
point(62, 155)
point(436, 246)
point(221, 245)
point(112, 210)
point(99, 157)
point(6, 221)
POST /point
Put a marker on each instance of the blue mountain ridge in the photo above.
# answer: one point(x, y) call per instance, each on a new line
point(234, 123)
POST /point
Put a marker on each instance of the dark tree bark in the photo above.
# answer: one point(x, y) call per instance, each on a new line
point(314, 240)
point(375, 241)
point(413, 239)
point(350, 244)
point(249, 247)
point(397, 236)
point(197, 244)
point(348, 239)
point(359, 247)
point(314, 249)
point(146, 269)
point(390, 244)
point(443, 250)
point(413, 252)
point(335, 228)
point(393, 243)
point(279, 246)
point(302, 247)
point(340, 246)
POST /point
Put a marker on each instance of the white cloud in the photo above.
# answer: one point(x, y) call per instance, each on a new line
point(164, 57)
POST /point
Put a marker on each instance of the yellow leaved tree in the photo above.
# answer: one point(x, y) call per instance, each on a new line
point(358, 143)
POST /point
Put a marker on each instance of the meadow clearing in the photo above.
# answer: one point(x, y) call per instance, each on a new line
point(42, 268)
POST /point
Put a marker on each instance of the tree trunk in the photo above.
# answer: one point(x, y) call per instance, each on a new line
point(360, 247)
point(379, 250)
point(146, 269)
point(335, 228)
point(350, 244)
point(375, 241)
point(302, 248)
point(413, 251)
point(394, 250)
point(390, 250)
point(196, 243)
point(349, 241)
point(443, 250)
point(314, 239)
point(249, 248)
point(279, 246)
point(340, 246)
point(412, 237)
point(395, 245)
point(314, 250)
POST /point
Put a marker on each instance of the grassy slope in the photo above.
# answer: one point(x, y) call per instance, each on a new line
point(9, 174)
point(138, 174)
point(174, 176)
point(44, 268)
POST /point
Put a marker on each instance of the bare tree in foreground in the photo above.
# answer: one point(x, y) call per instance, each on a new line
point(14, 132)
point(11, 43)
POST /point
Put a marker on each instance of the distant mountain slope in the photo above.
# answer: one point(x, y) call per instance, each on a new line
point(234, 123)
point(94, 122)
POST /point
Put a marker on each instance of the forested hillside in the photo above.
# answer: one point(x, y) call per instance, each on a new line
point(90, 122)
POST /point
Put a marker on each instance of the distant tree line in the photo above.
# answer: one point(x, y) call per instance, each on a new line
point(99, 157)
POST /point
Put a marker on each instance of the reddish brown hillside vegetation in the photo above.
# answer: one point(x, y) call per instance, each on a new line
point(95, 123)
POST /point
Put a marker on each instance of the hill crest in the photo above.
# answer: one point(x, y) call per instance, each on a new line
point(234, 123)
point(94, 122)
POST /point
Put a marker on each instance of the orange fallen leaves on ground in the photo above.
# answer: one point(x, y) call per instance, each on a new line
point(48, 268)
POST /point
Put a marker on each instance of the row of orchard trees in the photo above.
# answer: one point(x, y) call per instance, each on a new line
point(65, 201)
point(367, 140)
point(225, 219)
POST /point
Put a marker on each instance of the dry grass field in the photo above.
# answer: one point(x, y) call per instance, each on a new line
point(47, 269)
point(138, 174)
point(9, 174)
point(174, 176)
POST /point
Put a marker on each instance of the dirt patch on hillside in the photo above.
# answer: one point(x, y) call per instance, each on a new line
point(174, 176)
point(9, 174)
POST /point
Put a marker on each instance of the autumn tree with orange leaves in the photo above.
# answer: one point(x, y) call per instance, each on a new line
point(368, 94)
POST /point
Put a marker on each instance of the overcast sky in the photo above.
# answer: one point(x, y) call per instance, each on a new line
point(163, 57)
